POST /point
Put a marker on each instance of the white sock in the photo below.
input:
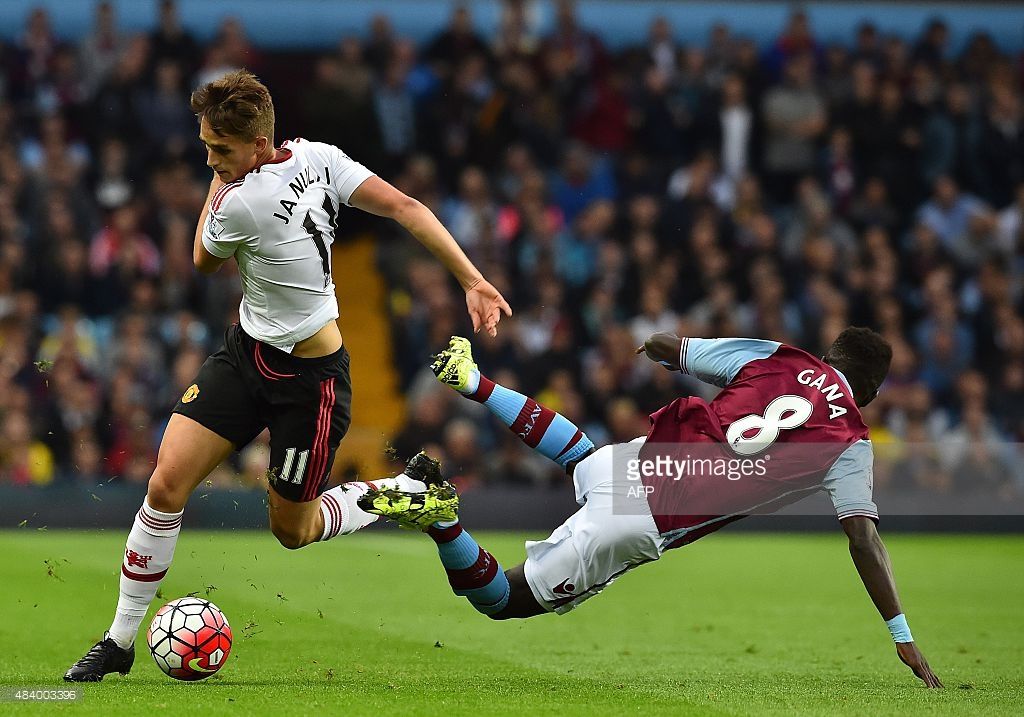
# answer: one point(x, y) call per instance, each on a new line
point(147, 556)
point(338, 505)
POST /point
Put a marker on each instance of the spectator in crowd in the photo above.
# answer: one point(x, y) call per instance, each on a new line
point(1000, 144)
point(794, 116)
point(113, 111)
point(661, 127)
point(583, 179)
point(35, 47)
point(931, 49)
point(119, 254)
point(455, 44)
point(170, 41)
point(339, 105)
point(662, 51)
point(379, 45)
point(99, 50)
point(517, 37)
point(950, 212)
point(1010, 229)
point(163, 111)
point(583, 50)
point(867, 44)
point(796, 40)
point(734, 130)
point(23, 459)
point(395, 110)
point(976, 456)
point(471, 215)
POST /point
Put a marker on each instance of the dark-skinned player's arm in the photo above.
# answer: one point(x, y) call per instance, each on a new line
point(713, 361)
point(663, 348)
point(484, 302)
point(872, 561)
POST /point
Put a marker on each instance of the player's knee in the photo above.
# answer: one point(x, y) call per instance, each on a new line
point(521, 602)
point(502, 614)
point(164, 493)
point(512, 611)
point(289, 537)
point(570, 467)
point(291, 541)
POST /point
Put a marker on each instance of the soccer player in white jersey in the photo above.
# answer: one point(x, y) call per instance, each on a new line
point(275, 210)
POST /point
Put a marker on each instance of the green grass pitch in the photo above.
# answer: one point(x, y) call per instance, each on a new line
point(735, 624)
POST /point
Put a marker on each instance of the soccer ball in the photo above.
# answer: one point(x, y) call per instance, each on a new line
point(189, 638)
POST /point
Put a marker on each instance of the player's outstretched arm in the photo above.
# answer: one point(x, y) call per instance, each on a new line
point(713, 361)
point(483, 301)
point(662, 348)
point(872, 561)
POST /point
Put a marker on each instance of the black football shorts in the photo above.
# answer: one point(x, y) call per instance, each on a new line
point(248, 385)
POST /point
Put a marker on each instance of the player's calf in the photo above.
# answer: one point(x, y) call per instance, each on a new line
point(548, 432)
point(147, 557)
point(473, 573)
point(295, 524)
point(521, 601)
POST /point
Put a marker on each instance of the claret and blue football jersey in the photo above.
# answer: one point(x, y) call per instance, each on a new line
point(785, 420)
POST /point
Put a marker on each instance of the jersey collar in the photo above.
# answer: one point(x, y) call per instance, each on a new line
point(842, 376)
point(285, 155)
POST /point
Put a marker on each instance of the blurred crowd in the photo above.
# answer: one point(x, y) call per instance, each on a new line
point(716, 189)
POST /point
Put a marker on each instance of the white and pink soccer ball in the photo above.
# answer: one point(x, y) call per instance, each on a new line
point(189, 638)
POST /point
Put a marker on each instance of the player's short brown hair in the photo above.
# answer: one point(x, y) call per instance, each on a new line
point(237, 104)
point(863, 356)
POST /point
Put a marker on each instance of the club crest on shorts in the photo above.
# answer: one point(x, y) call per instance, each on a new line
point(565, 587)
point(190, 394)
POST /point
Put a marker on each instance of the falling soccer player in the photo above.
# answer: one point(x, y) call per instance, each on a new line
point(776, 400)
point(284, 367)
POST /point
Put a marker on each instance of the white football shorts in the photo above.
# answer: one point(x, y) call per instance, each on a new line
point(609, 535)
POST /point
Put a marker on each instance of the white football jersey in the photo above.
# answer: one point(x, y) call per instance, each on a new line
point(278, 221)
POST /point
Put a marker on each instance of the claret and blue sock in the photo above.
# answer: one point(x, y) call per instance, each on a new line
point(549, 433)
point(473, 573)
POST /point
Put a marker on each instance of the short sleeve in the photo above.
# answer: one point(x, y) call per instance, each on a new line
point(346, 173)
point(849, 480)
point(229, 224)
point(717, 361)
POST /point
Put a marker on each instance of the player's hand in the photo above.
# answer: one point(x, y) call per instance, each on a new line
point(662, 348)
point(485, 305)
point(911, 657)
